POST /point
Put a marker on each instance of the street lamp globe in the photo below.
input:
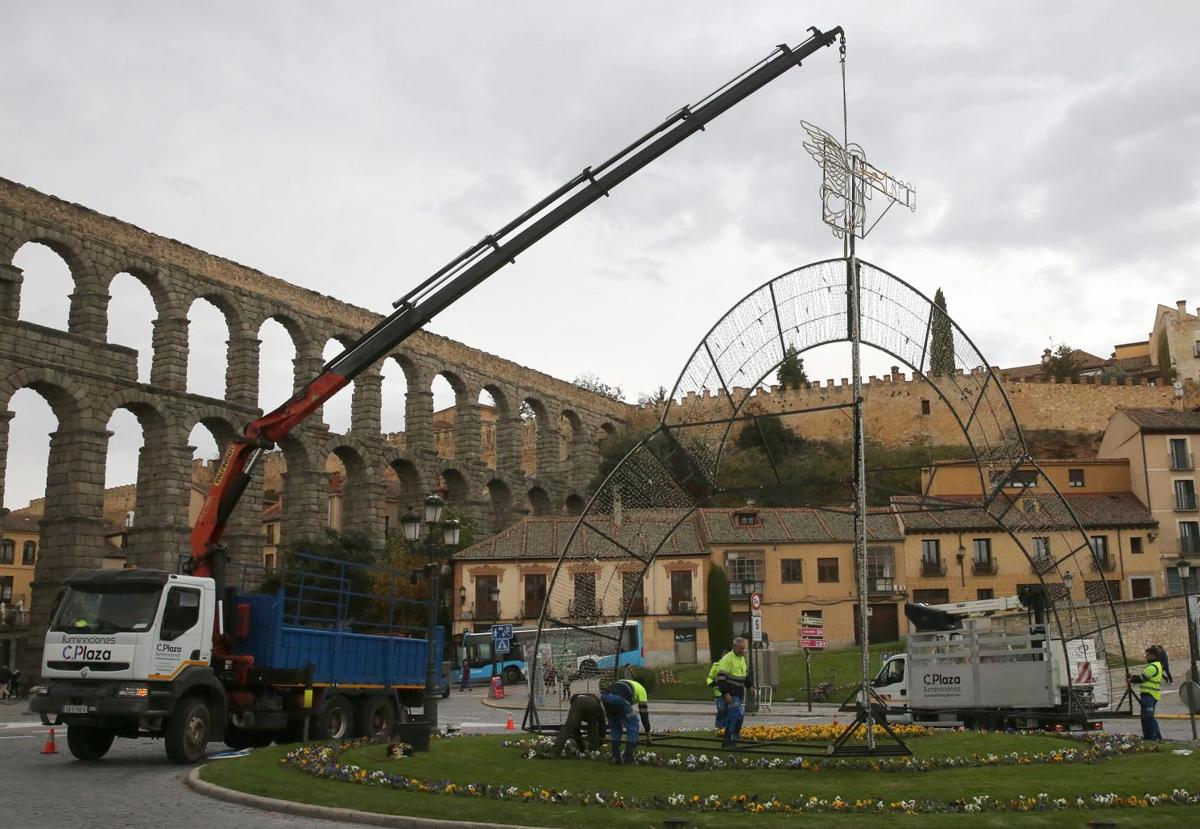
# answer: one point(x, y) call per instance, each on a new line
point(1185, 569)
point(433, 509)
point(450, 532)
point(462, 595)
point(410, 523)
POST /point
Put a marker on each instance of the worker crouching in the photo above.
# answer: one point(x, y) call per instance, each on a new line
point(618, 700)
point(585, 724)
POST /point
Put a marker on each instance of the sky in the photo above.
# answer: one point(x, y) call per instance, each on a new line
point(355, 148)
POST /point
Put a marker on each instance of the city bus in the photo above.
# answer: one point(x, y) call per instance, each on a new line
point(585, 653)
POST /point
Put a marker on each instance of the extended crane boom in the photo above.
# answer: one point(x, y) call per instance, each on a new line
point(460, 275)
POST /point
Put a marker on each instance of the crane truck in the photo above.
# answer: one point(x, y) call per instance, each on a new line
point(183, 656)
point(960, 668)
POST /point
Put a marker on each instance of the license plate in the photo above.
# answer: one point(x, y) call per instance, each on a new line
point(74, 709)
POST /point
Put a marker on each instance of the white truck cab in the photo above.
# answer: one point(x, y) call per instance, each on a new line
point(123, 649)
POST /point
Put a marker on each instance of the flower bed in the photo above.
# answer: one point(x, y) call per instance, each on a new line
point(324, 761)
point(1088, 748)
point(826, 733)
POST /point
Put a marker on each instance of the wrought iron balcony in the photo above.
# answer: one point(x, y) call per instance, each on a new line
point(685, 606)
point(881, 586)
point(986, 567)
point(1185, 502)
point(487, 610)
point(933, 568)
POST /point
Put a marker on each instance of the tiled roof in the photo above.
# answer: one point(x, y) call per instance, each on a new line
point(796, 525)
point(1164, 420)
point(1115, 511)
point(544, 537)
point(22, 521)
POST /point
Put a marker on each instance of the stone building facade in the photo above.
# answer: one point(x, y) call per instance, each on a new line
point(84, 379)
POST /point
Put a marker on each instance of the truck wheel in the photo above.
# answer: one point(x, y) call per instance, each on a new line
point(336, 720)
point(512, 675)
point(376, 717)
point(87, 742)
point(187, 731)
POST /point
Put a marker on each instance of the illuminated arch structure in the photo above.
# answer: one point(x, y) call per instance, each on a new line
point(641, 508)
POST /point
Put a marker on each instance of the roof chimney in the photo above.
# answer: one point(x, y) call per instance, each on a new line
point(1181, 304)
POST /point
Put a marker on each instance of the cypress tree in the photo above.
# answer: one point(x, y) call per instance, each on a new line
point(720, 613)
point(941, 339)
point(791, 373)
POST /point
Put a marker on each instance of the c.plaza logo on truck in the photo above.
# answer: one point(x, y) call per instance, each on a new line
point(87, 648)
point(942, 679)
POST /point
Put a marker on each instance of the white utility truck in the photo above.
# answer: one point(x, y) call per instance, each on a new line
point(959, 667)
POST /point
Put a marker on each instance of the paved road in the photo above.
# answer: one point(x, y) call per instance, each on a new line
point(136, 787)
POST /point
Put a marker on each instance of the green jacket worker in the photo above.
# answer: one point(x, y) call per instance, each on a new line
point(1147, 683)
point(585, 724)
point(619, 699)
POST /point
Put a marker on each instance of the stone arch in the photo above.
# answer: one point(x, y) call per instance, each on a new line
point(46, 311)
point(405, 487)
point(400, 376)
point(208, 343)
point(574, 504)
point(355, 506)
point(303, 493)
point(338, 412)
point(452, 425)
point(152, 278)
point(67, 399)
point(454, 486)
point(139, 311)
point(507, 436)
point(535, 425)
point(539, 500)
point(500, 503)
point(302, 346)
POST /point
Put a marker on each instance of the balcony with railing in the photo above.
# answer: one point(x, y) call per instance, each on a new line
point(933, 568)
point(1180, 460)
point(15, 613)
point(487, 610)
point(1185, 502)
point(880, 586)
point(984, 567)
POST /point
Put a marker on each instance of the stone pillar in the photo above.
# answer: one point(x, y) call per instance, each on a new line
point(363, 506)
point(509, 446)
point(241, 374)
point(366, 409)
point(89, 314)
point(72, 533)
point(585, 460)
point(306, 367)
point(549, 445)
point(5, 417)
point(170, 344)
point(243, 536)
point(468, 440)
point(418, 422)
point(161, 525)
point(10, 291)
point(305, 505)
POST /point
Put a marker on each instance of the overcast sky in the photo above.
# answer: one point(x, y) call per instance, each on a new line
point(353, 148)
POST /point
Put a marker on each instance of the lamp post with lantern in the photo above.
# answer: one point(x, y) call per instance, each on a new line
point(435, 563)
point(1184, 568)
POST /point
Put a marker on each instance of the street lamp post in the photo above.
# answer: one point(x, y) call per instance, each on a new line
point(1184, 567)
point(494, 595)
point(750, 702)
point(411, 523)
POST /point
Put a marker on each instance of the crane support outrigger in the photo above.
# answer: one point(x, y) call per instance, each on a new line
point(178, 656)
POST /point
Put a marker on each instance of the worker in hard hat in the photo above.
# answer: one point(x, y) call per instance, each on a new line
point(734, 681)
point(618, 700)
point(585, 724)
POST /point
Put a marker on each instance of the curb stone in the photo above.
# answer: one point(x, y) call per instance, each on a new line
point(291, 807)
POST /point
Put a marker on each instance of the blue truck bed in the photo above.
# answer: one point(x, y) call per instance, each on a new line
point(339, 657)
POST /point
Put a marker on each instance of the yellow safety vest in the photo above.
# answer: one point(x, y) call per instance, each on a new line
point(732, 668)
point(1151, 677)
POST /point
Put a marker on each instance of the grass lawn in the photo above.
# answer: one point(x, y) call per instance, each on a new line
point(484, 759)
point(841, 667)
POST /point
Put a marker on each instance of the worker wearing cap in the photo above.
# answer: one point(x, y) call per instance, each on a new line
point(618, 700)
point(734, 681)
point(585, 724)
point(1148, 684)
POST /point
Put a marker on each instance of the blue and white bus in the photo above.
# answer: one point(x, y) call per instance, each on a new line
point(512, 667)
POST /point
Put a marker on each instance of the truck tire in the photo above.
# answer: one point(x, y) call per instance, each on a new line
point(376, 717)
point(87, 742)
point(187, 731)
point(512, 675)
point(336, 719)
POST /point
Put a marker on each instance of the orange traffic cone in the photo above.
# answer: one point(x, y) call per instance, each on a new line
point(49, 747)
point(508, 726)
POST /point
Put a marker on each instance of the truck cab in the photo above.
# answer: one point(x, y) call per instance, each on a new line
point(891, 685)
point(125, 649)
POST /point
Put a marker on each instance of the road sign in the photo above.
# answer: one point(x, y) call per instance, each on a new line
point(502, 631)
point(813, 644)
point(1189, 692)
point(812, 621)
point(755, 601)
point(502, 646)
point(812, 633)
point(756, 628)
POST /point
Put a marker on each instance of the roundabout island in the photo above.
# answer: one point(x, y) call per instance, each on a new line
point(1007, 779)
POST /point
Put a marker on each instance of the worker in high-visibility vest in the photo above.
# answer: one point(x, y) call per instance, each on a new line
point(618, 700)
point(735, 681)
point(1148, 682)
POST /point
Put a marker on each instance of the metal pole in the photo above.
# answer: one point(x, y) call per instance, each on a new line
point(808, 676)
point(1187, 608)
point(860, 465)
point(431, 691)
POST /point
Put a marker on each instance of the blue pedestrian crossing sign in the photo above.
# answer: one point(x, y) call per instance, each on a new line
point(502, 638)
